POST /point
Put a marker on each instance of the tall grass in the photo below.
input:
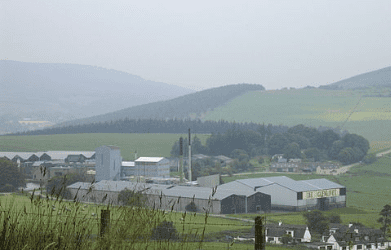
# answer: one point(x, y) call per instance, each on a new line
point(52, 223)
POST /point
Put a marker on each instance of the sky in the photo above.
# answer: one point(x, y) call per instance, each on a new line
point(203, 44)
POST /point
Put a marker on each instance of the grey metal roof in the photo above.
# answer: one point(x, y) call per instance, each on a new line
point(167, 190)
point(297, 186)
point(323, 183)
point(61, 155)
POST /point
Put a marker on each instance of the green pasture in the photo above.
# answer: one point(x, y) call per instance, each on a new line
point(145, 144)
point(313, 107)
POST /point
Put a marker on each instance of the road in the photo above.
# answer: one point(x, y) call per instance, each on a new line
point(383, 153)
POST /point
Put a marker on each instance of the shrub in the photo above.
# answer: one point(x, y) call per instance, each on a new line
point(164, 231)
point(191, 207)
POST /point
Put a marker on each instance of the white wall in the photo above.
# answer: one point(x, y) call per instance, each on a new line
point(280, 195)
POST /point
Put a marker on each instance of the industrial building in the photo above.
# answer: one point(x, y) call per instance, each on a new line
point(176, 198)
point(291, 195)
point(108, 163)
point(152, 167)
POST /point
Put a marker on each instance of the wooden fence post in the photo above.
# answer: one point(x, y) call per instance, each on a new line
point(259, 234)
point(104, 222)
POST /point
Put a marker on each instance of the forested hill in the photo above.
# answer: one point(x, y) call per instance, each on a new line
point(180, 107)
point(377, 78)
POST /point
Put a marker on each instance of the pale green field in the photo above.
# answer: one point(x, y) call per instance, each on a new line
point(313, 107)
point(379, 146)
point(157, 145)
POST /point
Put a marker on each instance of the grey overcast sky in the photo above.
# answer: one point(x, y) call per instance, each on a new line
point(202, 44)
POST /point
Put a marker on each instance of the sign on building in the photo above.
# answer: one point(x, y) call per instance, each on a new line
point(320, 193)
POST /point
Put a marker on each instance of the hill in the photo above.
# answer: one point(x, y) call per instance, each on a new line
point(58, 92)
point(191, 105)
point(373, 79)
point(346, 109)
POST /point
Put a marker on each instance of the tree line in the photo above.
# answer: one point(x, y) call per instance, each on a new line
point(155, 126)
point(295, 142)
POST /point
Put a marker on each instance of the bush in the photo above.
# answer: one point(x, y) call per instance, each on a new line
point(368, 159)
point(164, 231)
point(191, 207)
point(335, 219)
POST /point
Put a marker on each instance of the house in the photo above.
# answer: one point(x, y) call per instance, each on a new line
point(275, 232)
point(353, 237)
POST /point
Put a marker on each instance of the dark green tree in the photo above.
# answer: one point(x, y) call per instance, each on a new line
point(292, 151)
point(277, 143)
point(335, 219)
point(385, 218)
point(335, 149)
point(316, 221)
point(313, 153)
point(353, 140)
point(325, 139)
point(57, 185)
point(10, 178)
point(239, 154)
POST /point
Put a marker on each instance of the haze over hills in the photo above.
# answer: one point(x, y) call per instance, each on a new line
point(60, 92)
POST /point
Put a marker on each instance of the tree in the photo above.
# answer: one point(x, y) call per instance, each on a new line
point(164, 231)
point(353, 140)
point(385, 218)
point(10, 178)
point(335, 219)
point(57, 185)
point(313, 153)
point(292, 150)
point(336, 147)
point(277, 143)
point(325, 139)
point(316, 221)
point(239, 154)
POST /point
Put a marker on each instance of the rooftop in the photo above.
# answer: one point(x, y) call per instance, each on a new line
point(149, 159)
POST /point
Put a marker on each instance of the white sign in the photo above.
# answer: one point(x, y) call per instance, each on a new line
point(320, 193)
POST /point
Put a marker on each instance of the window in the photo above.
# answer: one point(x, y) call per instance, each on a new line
point(329, 247)
point(343, 248)
point(233, 211)
point(259, 208)
point(359, 246)
point(369, 247)
point(322, 248)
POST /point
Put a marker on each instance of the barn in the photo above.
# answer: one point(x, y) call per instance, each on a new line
point(290, 195)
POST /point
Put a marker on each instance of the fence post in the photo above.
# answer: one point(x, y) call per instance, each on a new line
point(104, 222)
point(259, 234)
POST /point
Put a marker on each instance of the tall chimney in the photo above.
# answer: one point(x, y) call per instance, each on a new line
point(190, 177)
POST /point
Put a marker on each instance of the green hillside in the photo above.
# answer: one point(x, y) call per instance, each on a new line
point(373, 79)
point(313, 107)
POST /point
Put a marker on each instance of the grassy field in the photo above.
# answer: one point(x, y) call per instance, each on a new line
point(379, 146)
point(145, 144)
point(315, 107)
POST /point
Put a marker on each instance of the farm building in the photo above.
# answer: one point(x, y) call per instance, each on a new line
point(177, 198)
point(152, 167)
point(108, 163)
point(291, 195)
point(45, 156)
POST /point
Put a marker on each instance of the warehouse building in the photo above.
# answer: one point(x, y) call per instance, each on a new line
point(291, 195)
point(152, 167)
point(176, 198)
